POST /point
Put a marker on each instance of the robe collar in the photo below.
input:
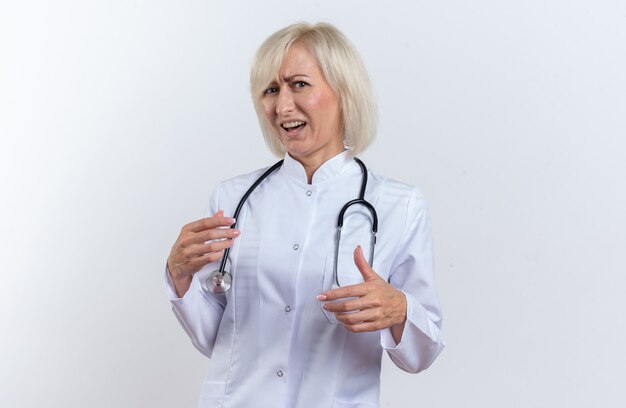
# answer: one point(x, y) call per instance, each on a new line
point(327, 171)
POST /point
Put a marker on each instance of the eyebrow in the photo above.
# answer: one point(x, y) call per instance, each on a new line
point(291, 77)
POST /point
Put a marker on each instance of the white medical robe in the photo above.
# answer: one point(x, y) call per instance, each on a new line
point(269, 341)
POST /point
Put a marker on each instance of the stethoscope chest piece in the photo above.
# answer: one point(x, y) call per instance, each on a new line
point(219, 282)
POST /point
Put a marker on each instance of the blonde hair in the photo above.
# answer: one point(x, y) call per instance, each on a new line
point(342, 68)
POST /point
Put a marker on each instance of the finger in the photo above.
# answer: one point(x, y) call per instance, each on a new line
point(362, 316)
point(207, 248)
point(187, 264)
point(366, 326)
point(342, 307)
point(212, 234)
point(370, 301)
point(200, 261)
point(362, 265)
point(350, 318)
point(347, 291)
point(208, 223)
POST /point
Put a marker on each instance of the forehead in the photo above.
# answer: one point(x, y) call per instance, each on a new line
point(298, 60)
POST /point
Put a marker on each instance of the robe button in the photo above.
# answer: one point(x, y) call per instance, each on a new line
point(309, 192)
point(296, 247)
point(287, 308)
point(279, 373)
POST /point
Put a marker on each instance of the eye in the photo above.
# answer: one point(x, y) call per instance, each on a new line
point(299, 84)
point(270, 90)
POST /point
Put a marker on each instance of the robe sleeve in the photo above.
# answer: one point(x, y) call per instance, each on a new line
point(413, 273)
point(199, 313)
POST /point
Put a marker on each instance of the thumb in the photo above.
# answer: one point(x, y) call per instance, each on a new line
point(362, 265)
point(219, 213)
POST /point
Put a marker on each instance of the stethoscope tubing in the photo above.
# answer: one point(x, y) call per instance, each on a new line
point(220, 281)
point(240, 206)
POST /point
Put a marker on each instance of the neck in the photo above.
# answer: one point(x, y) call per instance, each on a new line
point(310, 169)
point(311, 164)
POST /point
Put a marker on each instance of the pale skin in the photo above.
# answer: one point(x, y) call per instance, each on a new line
point(195, 247)
point(376, 305)
point(298, 94)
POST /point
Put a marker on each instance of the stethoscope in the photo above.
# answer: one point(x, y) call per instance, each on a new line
point(220, 281)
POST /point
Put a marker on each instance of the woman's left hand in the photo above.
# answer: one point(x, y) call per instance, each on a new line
point(375, 304)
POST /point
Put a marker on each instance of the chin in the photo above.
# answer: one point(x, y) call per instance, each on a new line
point(296, 153)
point(296, 149)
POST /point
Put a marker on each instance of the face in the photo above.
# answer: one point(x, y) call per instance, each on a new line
point(303, 109)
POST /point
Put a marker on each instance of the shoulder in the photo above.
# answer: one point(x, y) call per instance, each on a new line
point(401, 207)
point(241, 182)
point(397, 193)
point(404, 218)
point(228, 192)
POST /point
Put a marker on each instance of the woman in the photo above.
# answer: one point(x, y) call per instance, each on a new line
point(305, 323)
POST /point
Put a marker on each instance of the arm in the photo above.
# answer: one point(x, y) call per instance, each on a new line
point(199, 244)
point(413, 274)
point(405, 310)
point(199, 315)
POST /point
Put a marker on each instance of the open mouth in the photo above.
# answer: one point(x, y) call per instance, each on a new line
point(293, 126)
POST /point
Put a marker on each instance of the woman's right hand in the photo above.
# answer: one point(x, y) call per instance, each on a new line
point(199, 243)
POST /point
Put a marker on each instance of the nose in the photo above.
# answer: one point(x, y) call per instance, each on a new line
point(285, 103)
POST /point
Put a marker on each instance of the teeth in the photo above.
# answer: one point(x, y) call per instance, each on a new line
point(293, 124)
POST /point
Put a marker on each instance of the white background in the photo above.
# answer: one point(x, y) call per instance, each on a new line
point(117, 118)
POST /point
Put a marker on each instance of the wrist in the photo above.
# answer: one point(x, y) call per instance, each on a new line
point(175, 276)
point(404, 308)
point(180, 280)
point(171, 270)
point(181, 283)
